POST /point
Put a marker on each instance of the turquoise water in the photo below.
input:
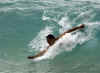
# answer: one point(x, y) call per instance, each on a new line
point(24, 25)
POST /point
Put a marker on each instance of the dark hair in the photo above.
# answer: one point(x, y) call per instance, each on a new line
point(50, 36)
point(50, 39)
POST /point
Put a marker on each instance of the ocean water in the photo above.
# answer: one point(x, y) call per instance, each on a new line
point(24, 24)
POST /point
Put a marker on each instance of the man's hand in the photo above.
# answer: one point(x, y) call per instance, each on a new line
point(82, 26)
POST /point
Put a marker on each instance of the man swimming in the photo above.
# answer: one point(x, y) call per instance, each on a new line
point(51, 40)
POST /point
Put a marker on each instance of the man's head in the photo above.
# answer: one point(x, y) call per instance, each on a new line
point(50, 39)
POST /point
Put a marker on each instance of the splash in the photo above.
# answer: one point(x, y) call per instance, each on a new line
point(69, 41)
point(66, 17)
point(40, 40)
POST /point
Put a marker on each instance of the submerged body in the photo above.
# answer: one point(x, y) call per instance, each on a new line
point(51, 41)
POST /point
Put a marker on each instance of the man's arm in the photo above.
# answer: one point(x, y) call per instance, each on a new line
point(39, 54)
point(71, 30)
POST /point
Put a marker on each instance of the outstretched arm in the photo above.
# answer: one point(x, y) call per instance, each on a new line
point(39, 54)
point(71, 30)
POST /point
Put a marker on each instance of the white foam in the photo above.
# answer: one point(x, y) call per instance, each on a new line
point(45, 18)
point(66, 43)
point(39, 42)
point(70, 41)
point(65, 24)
